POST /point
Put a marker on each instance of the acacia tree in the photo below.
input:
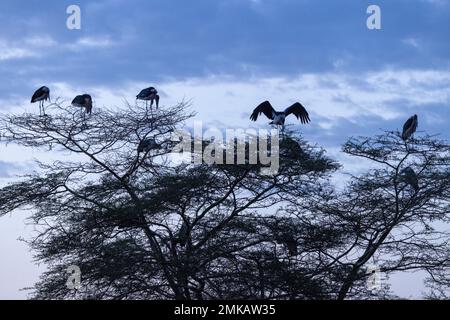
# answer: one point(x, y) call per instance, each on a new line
point(138, 225)
point(141, 226)
point(389, 220)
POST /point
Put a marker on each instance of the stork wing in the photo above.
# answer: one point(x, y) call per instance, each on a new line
point(299, 111)
point(39, 92)
point(146, 93)
point(78, 100)
point(408, 124)
point(265, 108)
point(409, 127)
point(35, 95)
point(142, 94)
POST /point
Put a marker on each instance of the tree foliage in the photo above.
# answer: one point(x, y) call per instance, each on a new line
point(142, 226)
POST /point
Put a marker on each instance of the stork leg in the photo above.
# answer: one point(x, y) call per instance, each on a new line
point(84, 119)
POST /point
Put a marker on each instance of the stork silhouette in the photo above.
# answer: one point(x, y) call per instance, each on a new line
point(409, 176)
point(149, 94)
point(83, 101)
point(42, 94)
point(279, 117)
point(410, 127)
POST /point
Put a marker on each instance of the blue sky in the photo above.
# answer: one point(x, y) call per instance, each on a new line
point(142, 40)
point(230, 55)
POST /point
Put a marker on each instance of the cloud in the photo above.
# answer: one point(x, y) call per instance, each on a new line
point(368, 98)
point(413, 42)
point(30, 47)
point(339, 104)
point(11, 51)
point(94, 42)
point(36, 46)
point(7, 169)
point(15, 53)
point(41, 41)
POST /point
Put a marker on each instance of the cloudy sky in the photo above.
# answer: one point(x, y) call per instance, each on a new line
point(227, 56)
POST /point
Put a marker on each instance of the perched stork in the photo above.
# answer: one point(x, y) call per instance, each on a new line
point(290, 243)
point(409, 176)
point(410, 127)
point(278, 118)
point(42, 94)
point(83, 101)
point(183, 233)
point(147, 144)
point(149, 94)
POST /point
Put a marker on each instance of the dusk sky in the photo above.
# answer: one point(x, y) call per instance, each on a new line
point(226, 56)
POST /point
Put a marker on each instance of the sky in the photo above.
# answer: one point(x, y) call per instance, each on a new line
point(226, 56)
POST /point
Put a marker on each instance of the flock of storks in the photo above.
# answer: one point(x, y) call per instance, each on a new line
point(278, 118)
point(85, 100)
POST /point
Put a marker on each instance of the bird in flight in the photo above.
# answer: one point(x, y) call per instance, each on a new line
point(149, 94)
point(410, 127)
point(42, 94)
point(279, 117)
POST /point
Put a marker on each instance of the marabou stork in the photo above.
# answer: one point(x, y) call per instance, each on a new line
point(42, 94)
point(410, 127)
point(149, 94)
point(278, 117)
point(83, 101)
